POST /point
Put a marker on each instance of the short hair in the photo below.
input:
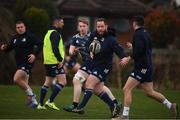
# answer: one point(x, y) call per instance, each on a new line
point(83, 20)
point(55, 18)
point(139, 20)
point(101, 19)
point(19, 22)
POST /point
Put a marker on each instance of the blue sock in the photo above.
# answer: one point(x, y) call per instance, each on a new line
point(104, 96)
point(87, 95)
point(56, 90)
point(44, 90)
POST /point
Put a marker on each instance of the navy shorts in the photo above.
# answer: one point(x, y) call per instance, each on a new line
point(142, 75)
point(86, 66)
point(25, 67)
point(101, 73)
point(53, 70)
point(70, 64)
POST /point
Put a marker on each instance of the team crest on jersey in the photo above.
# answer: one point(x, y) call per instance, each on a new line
point(14, 41)
point(144, 71)
point(77, 41)
point(24, 40)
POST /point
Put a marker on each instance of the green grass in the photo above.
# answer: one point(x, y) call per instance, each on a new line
point(12, 105)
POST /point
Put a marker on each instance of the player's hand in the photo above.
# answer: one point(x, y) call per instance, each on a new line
point(124, 61)
point(73, 50)
point(129, 45)
point(60, 64)
point(67, 58)
point(31, 58)
point(3, 46)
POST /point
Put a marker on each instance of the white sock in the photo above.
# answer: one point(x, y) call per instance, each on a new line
point(54, 82)
point(126, 111)
point(167, 103)
point(29, 92)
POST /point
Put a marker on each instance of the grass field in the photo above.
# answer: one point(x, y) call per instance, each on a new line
point(12, 105)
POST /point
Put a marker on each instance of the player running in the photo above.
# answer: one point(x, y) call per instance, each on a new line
point(78, 44)
point(103, 45)
point(142, 73)
point(26, 47)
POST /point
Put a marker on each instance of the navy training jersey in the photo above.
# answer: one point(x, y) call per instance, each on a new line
point(142, 49)
point(109, 46)
point(81, 43)
point(24, 45)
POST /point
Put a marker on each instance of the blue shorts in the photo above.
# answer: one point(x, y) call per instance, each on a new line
point(101, 73)
point(86, 66)
point(25, 67)
point(70, 64)
point(142, 75)
point(53, 70)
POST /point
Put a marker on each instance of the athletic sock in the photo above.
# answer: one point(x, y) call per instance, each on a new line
point(126, 111)
point(167, 103)
point(44, 90)
point(75, 104)
point(58, 88)
point(87, 95)
point(104, 96)
point(29, 92)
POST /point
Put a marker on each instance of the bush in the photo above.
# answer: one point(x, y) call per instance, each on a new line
point(37, 20)
point(163, 26)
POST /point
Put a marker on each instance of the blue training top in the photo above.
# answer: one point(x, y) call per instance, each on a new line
point(81, 43)
point(142, 49)
point(109, 45)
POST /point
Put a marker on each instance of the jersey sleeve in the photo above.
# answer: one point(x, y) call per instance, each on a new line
point(54, 38)
point(73, 41)
point(117, 48)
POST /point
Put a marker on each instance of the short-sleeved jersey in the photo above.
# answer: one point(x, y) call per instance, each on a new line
point(81, 43)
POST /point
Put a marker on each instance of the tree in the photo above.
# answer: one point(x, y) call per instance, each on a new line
point(23, 5)
point(37, 20)
point(163, 26)
point(7, 63)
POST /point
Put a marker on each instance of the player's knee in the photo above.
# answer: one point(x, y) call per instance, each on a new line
point(15, 80)
point(78, 78)
point(89, 85)
point(126, 90)
point(76, 81)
